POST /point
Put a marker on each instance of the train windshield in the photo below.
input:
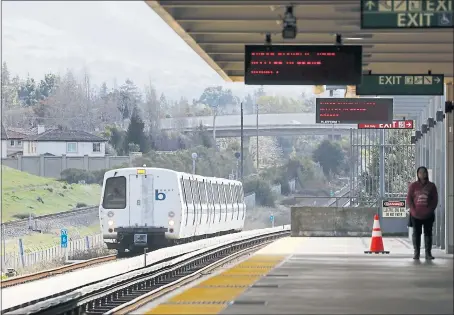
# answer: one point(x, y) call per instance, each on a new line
point(115, 193)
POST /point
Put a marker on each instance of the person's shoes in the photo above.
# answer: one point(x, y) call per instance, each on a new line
point(417, 246)
point(428, 247)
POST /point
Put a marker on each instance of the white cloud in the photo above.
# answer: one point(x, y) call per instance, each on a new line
point(114, 40)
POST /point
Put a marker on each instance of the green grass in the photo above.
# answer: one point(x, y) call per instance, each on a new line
point(38, 242)
point(21, 190)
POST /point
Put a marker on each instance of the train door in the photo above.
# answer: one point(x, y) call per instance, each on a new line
point(141, 200)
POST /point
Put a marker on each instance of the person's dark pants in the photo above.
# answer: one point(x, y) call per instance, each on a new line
point(418, 225)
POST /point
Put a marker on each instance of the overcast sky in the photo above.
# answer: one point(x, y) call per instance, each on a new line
point(113, 40)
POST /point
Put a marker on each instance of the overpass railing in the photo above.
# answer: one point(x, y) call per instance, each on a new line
point(269, 126)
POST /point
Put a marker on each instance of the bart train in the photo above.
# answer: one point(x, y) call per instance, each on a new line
point(155, 208)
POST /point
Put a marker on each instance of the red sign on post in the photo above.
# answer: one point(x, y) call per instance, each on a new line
point(396, 124)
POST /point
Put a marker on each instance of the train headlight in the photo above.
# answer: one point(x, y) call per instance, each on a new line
point(110, 214)
point(171, 223)
point(171, 214)
point(110, 222)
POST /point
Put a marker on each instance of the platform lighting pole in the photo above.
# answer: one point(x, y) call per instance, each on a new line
point(257, 123)
point(194, 158)
point(242, 144)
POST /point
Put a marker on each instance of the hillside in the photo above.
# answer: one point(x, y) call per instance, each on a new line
point(24, 193)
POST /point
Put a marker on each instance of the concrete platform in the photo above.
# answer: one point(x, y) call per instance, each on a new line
point(323, 276)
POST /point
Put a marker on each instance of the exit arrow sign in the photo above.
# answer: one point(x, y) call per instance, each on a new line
point(401, 84)
point(396, 124)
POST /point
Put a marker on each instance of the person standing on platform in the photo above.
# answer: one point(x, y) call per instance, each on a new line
point(422, 199)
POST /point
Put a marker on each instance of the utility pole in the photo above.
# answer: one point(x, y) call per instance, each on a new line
point(257, 120)
point(242, 144)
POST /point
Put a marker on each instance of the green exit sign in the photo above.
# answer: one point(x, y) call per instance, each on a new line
point(403, 84)
point(395, 14)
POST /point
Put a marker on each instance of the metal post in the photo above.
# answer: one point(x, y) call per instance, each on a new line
point(351, 167)
point(4, 248)
point(257, 110)
point(242, 144)
point(145, 256)
point(194, 158)
point(382, 167)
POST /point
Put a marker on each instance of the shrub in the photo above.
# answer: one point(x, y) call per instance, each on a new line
point(81, 205)
point(22, 216)
point(74, 175)
point(262, 190)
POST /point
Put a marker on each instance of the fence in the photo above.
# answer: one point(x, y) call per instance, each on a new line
point(52, 166)
point(16, 260)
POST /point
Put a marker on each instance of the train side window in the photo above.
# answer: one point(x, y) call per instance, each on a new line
point(183, 188)
point(188, 192)
point(194, 199)
point(115, 193)
point(200, 193)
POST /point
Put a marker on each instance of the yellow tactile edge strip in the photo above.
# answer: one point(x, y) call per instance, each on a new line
point(214, 294)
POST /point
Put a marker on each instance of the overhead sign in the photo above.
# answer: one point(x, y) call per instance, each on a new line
point(396, 124)
point(403, 84)
point(64, 238)
point(395, 14)
point(394, 209)
point(354, 110)
point(302, 65)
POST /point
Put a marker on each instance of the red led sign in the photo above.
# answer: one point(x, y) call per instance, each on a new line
point(396, 124)
point(354, 110)
point(302, 65)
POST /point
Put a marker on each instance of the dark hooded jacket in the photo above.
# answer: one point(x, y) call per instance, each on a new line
point(422, 199)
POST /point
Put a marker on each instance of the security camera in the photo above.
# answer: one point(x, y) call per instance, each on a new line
point(289, 30)
point(268, 39)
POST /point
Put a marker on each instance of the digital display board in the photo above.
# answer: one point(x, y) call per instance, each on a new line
point(302, 65)
point(354, 110)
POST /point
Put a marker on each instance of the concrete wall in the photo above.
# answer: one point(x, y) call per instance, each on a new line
point(4, 148)
point(52, 166)
point(330, 221)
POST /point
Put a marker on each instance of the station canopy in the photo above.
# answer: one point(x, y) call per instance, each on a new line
point(219, 30)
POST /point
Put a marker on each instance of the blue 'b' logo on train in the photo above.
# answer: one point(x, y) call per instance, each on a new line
point(159, 195)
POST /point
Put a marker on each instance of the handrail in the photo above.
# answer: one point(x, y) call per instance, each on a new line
point(268, 126)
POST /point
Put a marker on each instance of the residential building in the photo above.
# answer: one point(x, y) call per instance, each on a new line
point(60, 142)
point(16, 136)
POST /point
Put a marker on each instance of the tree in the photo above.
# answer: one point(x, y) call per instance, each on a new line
point(151, 109)
point(48, 85)
point(330, 157)
point(10, 88)
point(135, 133)
point(218, 99)
point(248, 104)
point(129, 99)
point(28, 92)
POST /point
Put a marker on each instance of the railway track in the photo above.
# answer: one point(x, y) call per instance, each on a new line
point(55, 271)
point(128, 292)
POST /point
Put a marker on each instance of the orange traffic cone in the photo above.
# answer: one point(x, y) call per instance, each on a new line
point(376, 242)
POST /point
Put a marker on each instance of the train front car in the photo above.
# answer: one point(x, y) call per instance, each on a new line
point(138, 207)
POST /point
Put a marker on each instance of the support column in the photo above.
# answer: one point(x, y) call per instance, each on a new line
point(449, 218)
point(437, 159)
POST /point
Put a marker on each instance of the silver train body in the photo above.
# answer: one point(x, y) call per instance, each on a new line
point(154, 208)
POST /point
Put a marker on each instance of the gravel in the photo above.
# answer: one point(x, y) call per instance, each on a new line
point(77, 218)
